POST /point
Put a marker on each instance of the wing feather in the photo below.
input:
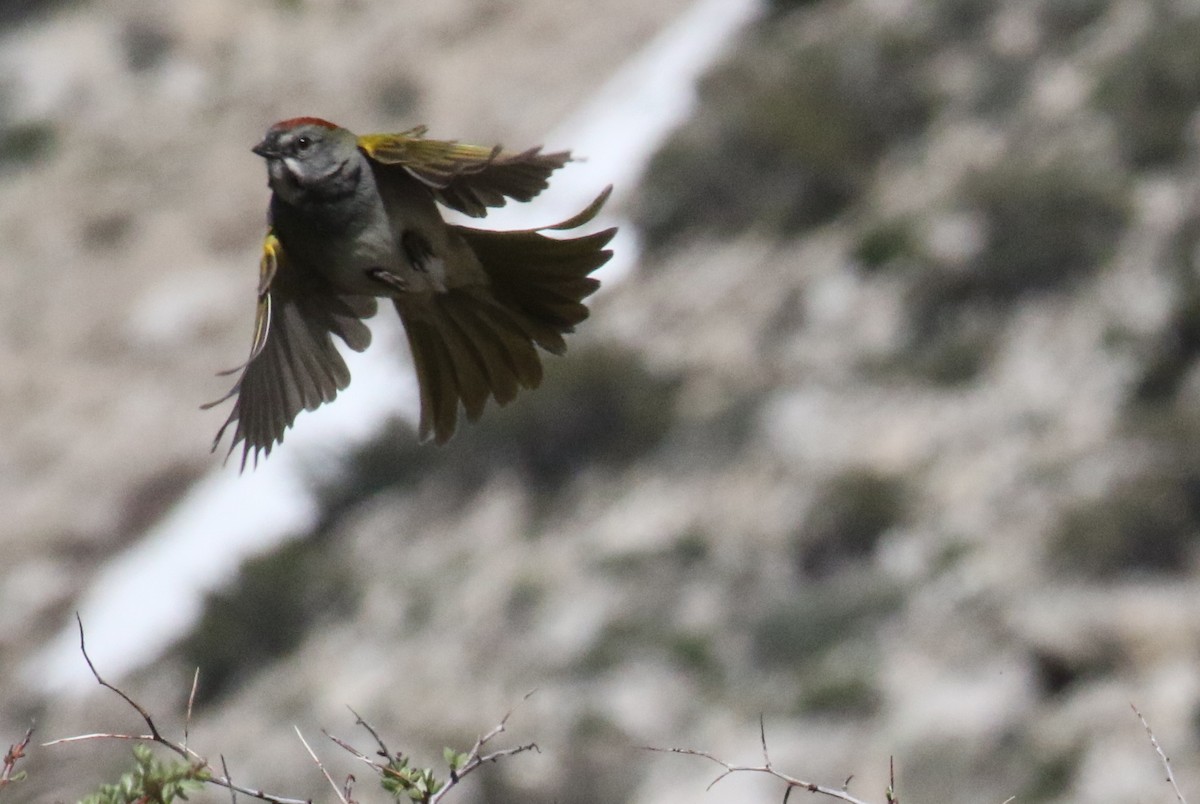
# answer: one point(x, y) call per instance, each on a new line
point(467, 178)
point(293, 364)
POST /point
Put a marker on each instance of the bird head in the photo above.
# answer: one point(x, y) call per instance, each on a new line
point(309, 158)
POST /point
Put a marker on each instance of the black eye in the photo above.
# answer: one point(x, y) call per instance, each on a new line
point(302, 143)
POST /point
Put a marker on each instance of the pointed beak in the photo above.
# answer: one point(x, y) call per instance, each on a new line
point(265, 150)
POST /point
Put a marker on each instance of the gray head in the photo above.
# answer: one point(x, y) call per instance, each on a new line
point(310, 159)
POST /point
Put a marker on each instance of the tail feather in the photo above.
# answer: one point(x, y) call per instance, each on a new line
point(477, 341)
point(530, 330)
point(573, 288)
point(541, 281)
point(493, 354)
point(560, 313)
point(470, 373)
point(518, 351)
point(435, 375)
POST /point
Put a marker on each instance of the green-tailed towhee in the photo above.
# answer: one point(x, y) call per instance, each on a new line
point(352, 218)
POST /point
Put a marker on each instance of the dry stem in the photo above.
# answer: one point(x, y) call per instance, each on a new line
point(155, 736)
point(475, 757)
point(15, 752)
point(792, 782)
point(1162, 756)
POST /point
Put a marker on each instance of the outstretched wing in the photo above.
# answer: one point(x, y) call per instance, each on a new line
point(478, 341)
point(467, 178)
point(293, 363)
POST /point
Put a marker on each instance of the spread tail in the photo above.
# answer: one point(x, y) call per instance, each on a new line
point(478, 341)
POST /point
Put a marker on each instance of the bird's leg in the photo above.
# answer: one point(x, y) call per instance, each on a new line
point(388, 278)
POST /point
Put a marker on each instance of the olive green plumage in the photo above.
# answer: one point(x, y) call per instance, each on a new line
point(356, 218)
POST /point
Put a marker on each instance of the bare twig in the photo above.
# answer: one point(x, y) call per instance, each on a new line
point(320, 765)
point(1162, 756)
point(15, 752)
point(204, 771)
point(474, 758)
point(351, 749)
point(383, 749)
point(187, 721)
point(225, 770)
point(792, 782)
point(155, 736)
point(200, 762)
point(474, 761)
point(258, 794)
point(80, 738)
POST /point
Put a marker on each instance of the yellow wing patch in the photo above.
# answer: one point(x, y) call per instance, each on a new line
point(268, 267)
point(467, 178)
point(434, 162)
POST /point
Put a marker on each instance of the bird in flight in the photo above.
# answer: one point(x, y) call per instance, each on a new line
point(355, 218)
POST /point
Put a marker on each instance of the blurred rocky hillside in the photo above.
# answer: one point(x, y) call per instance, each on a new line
point(892, 438)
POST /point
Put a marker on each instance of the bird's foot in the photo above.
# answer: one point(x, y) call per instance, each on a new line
point(386, 277)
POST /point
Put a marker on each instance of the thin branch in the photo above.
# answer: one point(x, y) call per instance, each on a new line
point(792, 782)
point(187, 721)
point(383, 749)
point(474, 762)
point(223, 781)
point(500, 727)
point(320, 765)
point(345, 746)
point(15, 753)
point(258, 794)
point(79, 738)
point(224, 765)
point(155, 736)
point(1162, 756)
point(158, 738)
point(475, 758)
